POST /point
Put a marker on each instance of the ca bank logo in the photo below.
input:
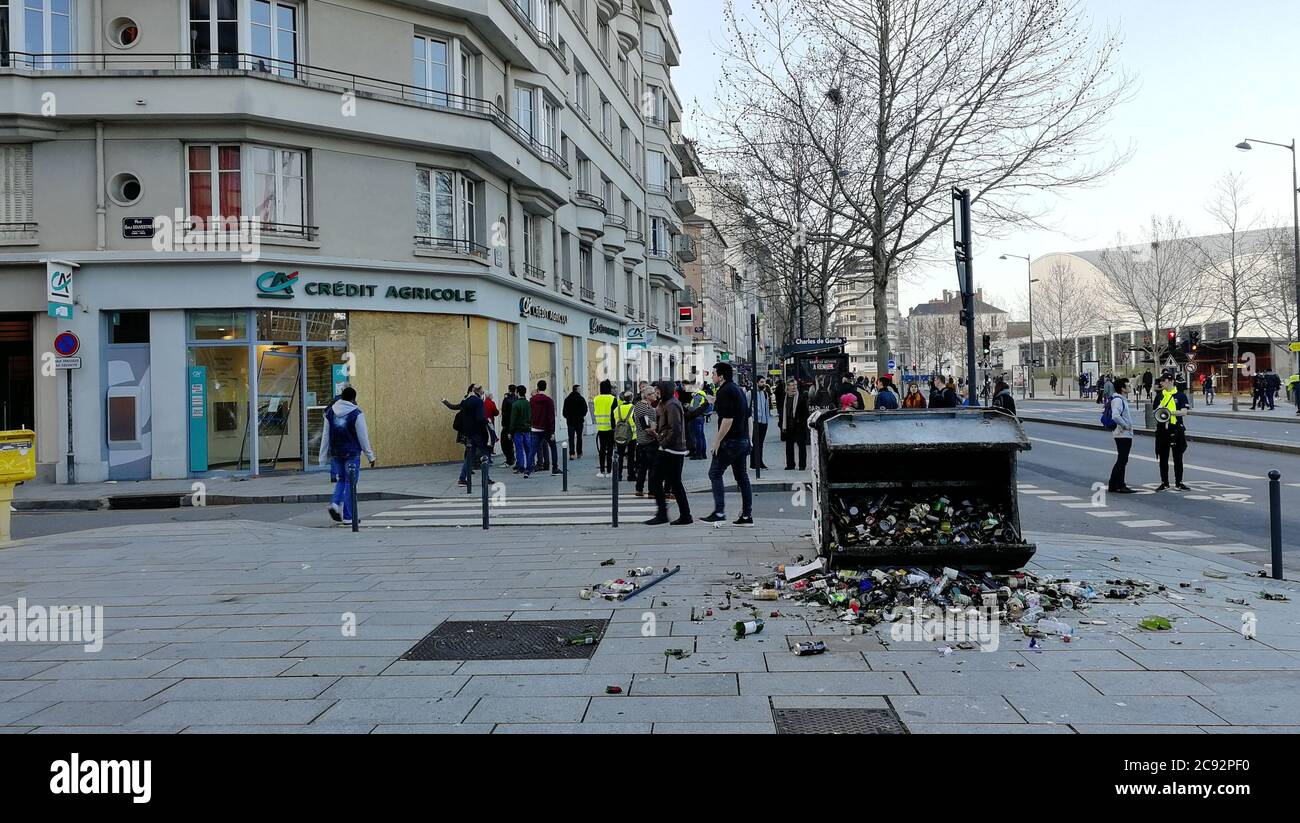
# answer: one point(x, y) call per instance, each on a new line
point(276, 284)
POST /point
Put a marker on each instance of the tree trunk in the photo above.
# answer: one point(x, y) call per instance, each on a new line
point(1236, 358)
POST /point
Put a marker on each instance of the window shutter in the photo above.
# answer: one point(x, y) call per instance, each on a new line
point(15, 184)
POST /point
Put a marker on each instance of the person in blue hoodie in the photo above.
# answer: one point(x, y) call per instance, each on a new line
point(887, 398)
point(343, 440)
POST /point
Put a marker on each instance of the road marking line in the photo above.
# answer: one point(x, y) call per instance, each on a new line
point(1110, 514)
point(1144, 524)
point(1088, 505)
point(475, 521)
point(504, 511)
point(1148, 459)
point(1230, 548)
point(1183, 535)
point(1056, 498)
point(1023, 486)
point(1037, 491)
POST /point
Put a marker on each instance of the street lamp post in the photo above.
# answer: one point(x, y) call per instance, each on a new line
point(1245, 145)
point(1029, 270)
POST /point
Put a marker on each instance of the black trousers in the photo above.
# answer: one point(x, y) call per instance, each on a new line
point(646, 456)
point(575, 439)
point(605, 447)
point(1122, 447)
point(626, 459)
point(1170, 439)
point(508, 445)
point(760, 434)
point(790, 443)
point(667, 477)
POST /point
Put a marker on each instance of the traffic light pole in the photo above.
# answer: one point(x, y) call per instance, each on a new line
point(966, 279)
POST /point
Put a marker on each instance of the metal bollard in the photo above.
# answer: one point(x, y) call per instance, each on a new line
point(564, 467)
point(485, 483)
point(618, 467)
point(354, 473)
point(1275, 518)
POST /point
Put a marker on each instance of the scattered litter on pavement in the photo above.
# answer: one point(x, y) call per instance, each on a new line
point(677, 654)
point(1237, 601)
point(1215, 574)
point(1274, 596)
point(613, 690)
point(1156, 623)
point(745, 628)
point(608, 562)
point(805, 649)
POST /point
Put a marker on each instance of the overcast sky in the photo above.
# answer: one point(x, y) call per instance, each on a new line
point(1208, 73)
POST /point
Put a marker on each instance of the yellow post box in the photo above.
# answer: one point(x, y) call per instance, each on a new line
point(17, 463)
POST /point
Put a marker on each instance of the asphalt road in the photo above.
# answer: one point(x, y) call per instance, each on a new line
point(1227, 512)
point(1271, 430)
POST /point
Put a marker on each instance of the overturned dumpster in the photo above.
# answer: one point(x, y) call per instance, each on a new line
point(918, 488)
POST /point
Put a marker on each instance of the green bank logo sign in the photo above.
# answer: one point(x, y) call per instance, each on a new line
point(278, 285)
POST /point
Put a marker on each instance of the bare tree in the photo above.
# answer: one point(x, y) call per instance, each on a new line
point(1003, 97)
point(1233, 264)
point(1275, 311)
point(1154, 284)
point(1066, 311)
point(937, 339)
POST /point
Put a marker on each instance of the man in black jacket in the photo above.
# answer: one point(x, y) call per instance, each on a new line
point(794, 424)
point(507, 441)
point(575, 417)
point(473, 427)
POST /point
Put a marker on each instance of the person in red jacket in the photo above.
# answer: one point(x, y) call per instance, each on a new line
point(490, 411)
point(543, 425)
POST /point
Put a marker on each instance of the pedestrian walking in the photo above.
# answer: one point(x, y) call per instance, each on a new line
point(1052, 382)
point(913, 399)
point(670, 432)
point(602, 406)
point(542, 420)
point(491, 412)
point(762, 417)
point(1122, 420)
point(731, 447)
point(645, 417)
point(575, 416)
point(344, 439)
point(794, 425)
point(887, 398)
point(1003, 399)
point(507, 440)
point(1171, 436)
point(471, 426)
point(1207, 387)
point(1147, 382)
point(521, 430)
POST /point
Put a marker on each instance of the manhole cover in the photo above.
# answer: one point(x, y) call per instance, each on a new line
point(509, 640)
point(837, 721)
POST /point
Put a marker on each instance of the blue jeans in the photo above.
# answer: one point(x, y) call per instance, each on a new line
point(473, 450)
point(541, 442)
point(339, 467)
point(732, 454)
point(524, 452)
point(699, 444)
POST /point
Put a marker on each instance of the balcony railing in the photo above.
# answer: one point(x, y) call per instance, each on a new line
point(634, 236)
point(588, 294)
point(566, 286)
point(640, 314)
point(628, 310)
point(18, 231)
point(615, 220)
point(251, 225)
point(534, 273)
point(658, 188)
point(253, 65)
point(611, 304)
point(452, 244)
point(542, 36)
point(654, 322)
point(591, 201)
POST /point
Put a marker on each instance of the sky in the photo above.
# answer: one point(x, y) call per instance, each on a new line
point(1207, 73)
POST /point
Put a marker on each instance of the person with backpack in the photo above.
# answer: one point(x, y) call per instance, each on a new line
point(575, 415)
point(1003, 400)
point(343, 440)
point(470, 424)
point(1117, 419)
point(645, 417)
point(542, 420)
point(625, 436)
point(521, 429)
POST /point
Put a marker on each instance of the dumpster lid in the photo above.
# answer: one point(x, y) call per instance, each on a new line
point(959, 429)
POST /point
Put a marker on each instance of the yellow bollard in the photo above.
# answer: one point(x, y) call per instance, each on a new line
point(17, 463)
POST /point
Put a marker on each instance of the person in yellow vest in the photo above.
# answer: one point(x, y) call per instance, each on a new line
point(1171, 436)
point(625, 436)
point(601, 415)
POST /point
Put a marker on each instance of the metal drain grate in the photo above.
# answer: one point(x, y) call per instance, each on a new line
point(507, 640)
point(837, 721)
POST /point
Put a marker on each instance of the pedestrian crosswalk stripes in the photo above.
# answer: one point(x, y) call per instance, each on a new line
point(549, 510)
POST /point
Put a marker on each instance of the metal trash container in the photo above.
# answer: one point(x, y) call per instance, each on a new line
point(872, 471)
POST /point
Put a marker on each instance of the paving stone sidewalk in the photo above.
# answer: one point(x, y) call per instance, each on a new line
point(237, 627)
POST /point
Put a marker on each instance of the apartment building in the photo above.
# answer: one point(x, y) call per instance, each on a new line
point(853, 317)
point(239, 205)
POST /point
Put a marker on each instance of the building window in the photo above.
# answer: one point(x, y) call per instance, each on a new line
point(627, 284)
point(550, 124)
point(46, 32)
point(524, 110)
point(657, 170)
point(581, 90)
point(659, 236)
point(610, 285)
point(584, 174)
point(432, 69)
point(446, 209)
point(279, 187)
point(214, 30)
point(274, 30)
point(602, 41)
point(15, 190)
point(586, 273)
point(215, 185)
point(532, 225)
point(654, 43)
